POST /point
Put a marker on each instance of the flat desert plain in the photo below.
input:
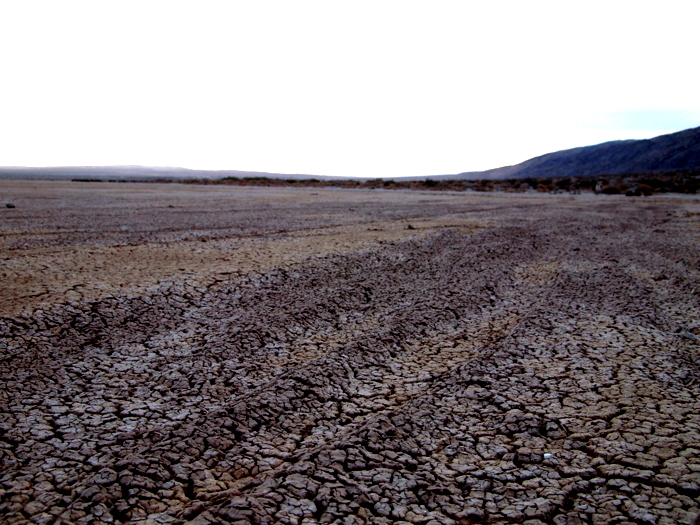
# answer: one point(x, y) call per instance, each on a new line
point(209, 354)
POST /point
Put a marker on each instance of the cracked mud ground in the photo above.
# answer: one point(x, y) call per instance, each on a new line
point(506, 359)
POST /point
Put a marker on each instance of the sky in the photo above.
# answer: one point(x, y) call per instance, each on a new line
point(364, 88)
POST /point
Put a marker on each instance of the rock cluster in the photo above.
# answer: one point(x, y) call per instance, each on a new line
point(542, 372)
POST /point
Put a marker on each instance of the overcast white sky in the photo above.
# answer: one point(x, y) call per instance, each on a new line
point(362, 88)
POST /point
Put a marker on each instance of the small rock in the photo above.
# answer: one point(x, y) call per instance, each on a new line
point(684, 335)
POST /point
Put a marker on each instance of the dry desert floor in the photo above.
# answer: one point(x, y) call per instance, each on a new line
point(208, 354)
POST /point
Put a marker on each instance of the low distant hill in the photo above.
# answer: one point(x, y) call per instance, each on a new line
point(673, 152)
point(667, 153)
point(138, 173)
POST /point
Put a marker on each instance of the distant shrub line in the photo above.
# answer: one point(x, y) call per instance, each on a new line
point(687, 181)
point(631, 185)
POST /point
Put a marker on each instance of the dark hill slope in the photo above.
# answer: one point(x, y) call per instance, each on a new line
point(676, 151)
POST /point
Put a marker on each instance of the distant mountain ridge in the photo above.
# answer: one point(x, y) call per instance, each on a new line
point(672, 152)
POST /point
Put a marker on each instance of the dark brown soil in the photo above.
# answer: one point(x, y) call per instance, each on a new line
point(507, 359)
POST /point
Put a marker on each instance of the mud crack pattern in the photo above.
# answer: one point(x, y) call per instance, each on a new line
point(540, 371)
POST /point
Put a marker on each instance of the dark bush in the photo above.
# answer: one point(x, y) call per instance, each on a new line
point(563, 184)
point(610, 190)
point(643, 189)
